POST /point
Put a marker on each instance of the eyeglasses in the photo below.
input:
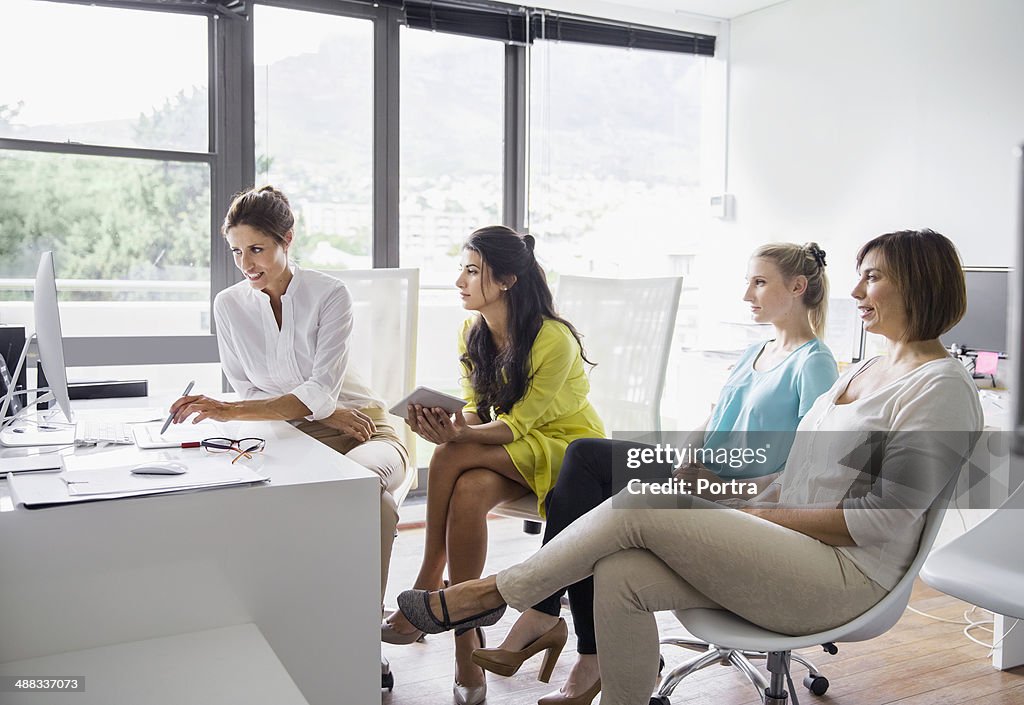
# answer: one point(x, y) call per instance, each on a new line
point(242, 447)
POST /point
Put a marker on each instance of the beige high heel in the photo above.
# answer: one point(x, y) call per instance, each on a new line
point(505, 662)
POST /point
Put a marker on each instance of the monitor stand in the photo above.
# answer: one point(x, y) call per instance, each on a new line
point(27, 428)
point(27, 432)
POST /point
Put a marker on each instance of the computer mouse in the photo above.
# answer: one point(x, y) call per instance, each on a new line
point(160, 467)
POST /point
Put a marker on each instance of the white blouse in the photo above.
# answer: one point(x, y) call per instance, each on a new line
point(308, 356)
point(884, 458)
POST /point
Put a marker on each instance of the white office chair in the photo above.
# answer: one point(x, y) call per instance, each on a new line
point(725, 638)
point(627, 327)
point(386, 313)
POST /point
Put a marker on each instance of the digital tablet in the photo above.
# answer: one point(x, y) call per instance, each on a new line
point(424, 396)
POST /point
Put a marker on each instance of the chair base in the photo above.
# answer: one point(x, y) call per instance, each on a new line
point(770, 689)
point(387, 678)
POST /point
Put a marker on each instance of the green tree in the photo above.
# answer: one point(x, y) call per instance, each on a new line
point(110, 218)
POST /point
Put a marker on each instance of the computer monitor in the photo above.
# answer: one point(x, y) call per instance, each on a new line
point(983, 327)
point(48, 333)
point(48, 339)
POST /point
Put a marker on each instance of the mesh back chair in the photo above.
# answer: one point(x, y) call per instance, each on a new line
point(383, 348)
point(725, 638)
point(383, 345)
point(627, 327)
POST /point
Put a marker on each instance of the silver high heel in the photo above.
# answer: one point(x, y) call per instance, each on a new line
point(471, 694)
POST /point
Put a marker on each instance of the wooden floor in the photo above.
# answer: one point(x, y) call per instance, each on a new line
point(918, 662)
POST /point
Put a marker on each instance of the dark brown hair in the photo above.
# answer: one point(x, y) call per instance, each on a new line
point(265, 209)
point(500, 378)
point(926, 270)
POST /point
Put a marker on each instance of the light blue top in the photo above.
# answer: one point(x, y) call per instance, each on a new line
point(760, 409)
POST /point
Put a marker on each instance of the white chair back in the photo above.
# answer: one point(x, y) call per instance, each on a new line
point(386, 313)
point(627, 327)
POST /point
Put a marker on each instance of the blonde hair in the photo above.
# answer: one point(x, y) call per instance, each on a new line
point(803, 260)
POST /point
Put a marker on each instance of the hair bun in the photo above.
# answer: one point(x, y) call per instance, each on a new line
point(274, 192)
point(530, 241)
point(816, 252)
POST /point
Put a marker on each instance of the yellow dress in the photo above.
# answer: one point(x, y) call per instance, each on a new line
point(553, 413)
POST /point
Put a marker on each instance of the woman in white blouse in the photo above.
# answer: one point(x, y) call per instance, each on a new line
point(827, 540)
point(283, 335)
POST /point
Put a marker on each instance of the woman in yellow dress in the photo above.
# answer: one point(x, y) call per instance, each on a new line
point(524, 379)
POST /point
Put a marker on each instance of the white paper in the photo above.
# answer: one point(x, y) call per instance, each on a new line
point(115, 481)
point(148, 435)
point(121, 480)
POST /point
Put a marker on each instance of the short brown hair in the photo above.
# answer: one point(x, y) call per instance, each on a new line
point(926, 269)
point(265, 209)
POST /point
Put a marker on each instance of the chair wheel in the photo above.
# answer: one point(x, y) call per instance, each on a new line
point(661, 664)
point(816, 684)
point(659, 700)
point(387, 680)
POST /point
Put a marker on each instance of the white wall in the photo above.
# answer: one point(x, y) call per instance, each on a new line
point(849, 118)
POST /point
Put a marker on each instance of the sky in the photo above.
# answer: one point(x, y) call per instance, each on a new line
point(51, 54)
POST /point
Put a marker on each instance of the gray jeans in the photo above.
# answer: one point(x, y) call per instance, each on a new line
point(697, 554)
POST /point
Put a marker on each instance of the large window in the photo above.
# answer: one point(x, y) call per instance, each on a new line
point(614, 158)
point(314, 129)
point(127, 125)
point(101, 75)
point(450, 176)
point(615, 178)
point(452, 113)
point(129, 225)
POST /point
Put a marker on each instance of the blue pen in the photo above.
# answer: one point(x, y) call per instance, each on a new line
point(170, 416)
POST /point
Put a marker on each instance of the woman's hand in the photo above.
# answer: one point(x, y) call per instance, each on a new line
point(826, 524)
point(435, 425)
point(203, 407)
point(689, 472)
point(351, 422)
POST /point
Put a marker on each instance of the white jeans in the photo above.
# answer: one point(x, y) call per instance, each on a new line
point(385, 456)
point(646, 560)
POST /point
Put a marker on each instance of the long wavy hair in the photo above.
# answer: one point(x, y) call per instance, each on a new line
point(500, 378)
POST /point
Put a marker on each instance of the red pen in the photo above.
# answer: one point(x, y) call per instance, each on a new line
point(192, 444)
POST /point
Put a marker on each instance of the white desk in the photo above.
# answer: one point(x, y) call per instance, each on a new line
point(297, 559)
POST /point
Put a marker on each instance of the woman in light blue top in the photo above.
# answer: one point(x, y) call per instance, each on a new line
point(761, 408)
point(770, 389)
